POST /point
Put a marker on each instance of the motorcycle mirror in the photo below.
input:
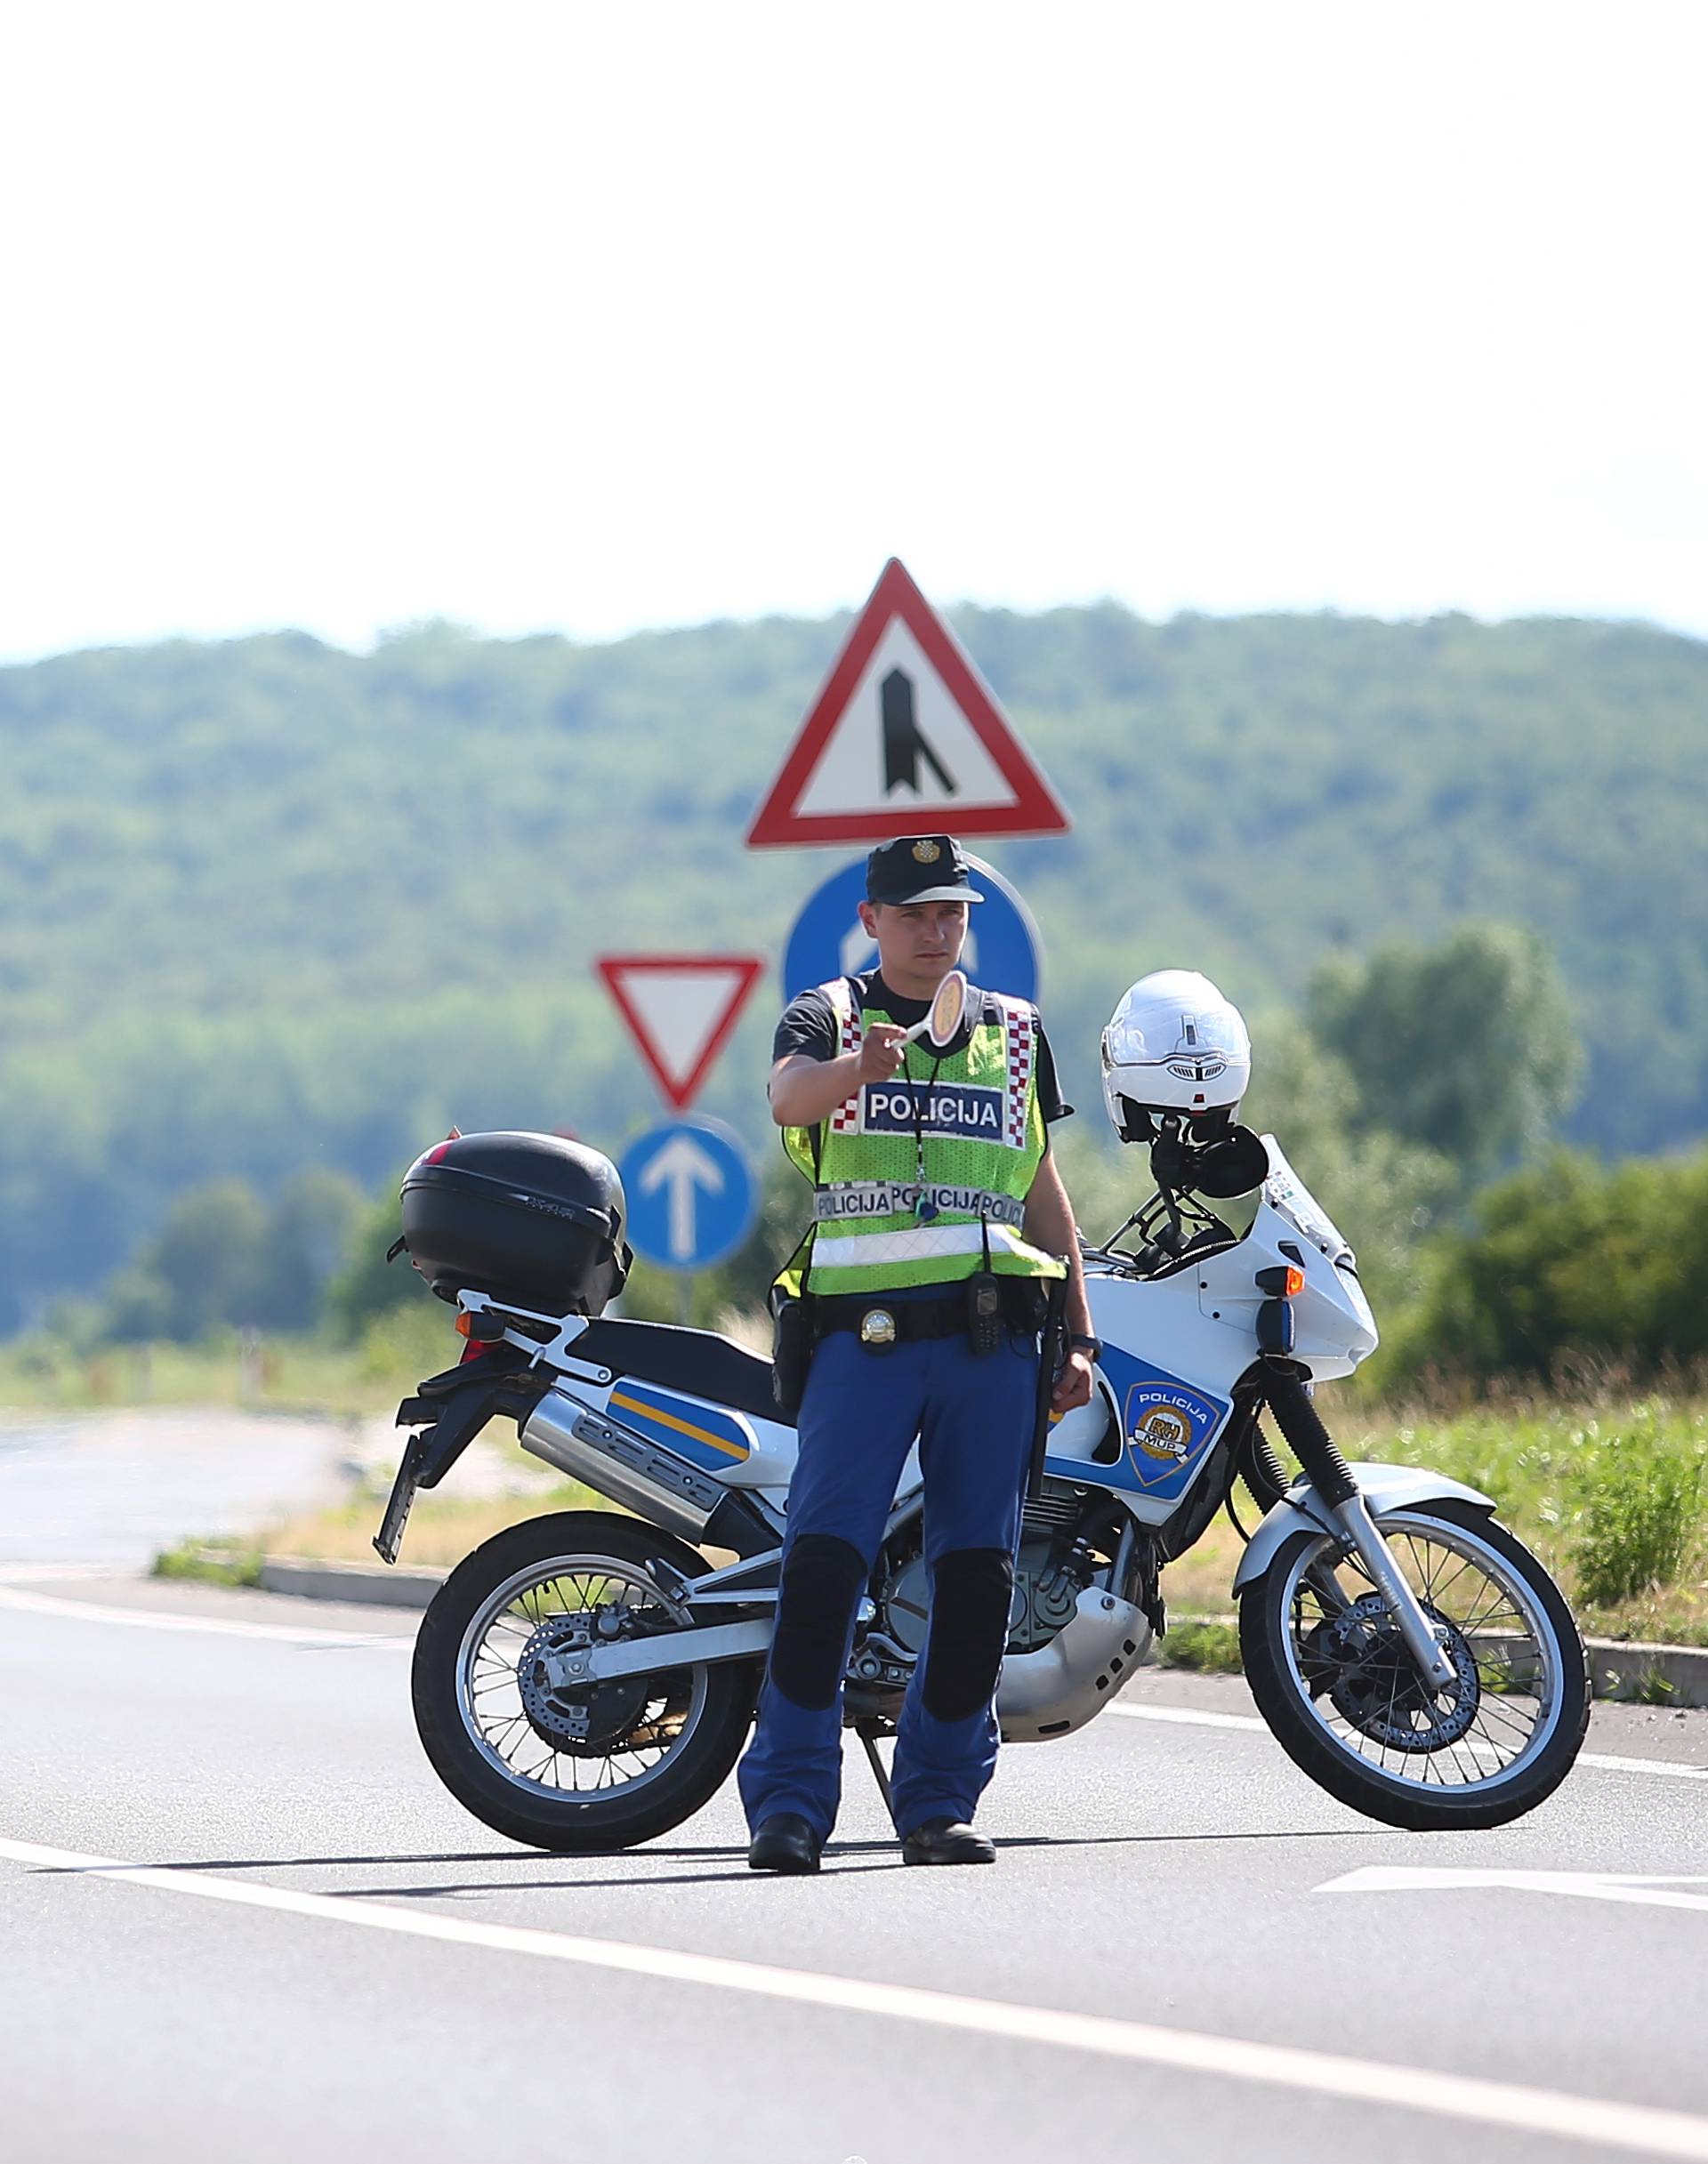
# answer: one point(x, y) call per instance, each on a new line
point(1233, 1166)
point(945, 1018)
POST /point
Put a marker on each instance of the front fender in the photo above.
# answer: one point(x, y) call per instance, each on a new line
point(1384, 1488)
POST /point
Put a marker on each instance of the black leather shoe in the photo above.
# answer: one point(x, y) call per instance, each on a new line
point(946, 1840)
point(785, 1843)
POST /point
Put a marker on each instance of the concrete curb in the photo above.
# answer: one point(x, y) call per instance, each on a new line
point(350, 1581)
point(1628, 1668)
point(1632, 1669)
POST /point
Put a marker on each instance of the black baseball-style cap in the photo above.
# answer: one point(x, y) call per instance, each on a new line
point(919, 868)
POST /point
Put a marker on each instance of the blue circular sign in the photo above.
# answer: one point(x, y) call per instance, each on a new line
point(691, 1193)
point(1004, 952)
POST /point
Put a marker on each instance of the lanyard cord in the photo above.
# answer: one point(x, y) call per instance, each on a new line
point(923, 1209)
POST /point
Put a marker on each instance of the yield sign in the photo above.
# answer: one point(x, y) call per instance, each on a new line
point(680, 1008)
point(904, 734)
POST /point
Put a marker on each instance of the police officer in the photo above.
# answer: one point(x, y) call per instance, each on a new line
point(937, 1212)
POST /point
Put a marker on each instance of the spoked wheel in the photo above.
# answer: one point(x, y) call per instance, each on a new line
point(593, 1767)
point(1331, 1677)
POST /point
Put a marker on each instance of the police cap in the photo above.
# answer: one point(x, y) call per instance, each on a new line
point(919, 868)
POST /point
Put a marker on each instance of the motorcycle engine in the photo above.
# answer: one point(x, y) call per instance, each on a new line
point(1045, 1592)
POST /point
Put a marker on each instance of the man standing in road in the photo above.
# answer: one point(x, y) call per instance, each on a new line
point(938, 1219)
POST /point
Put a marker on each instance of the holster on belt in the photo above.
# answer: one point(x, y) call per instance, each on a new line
point(1055, 1350)
point(792, 1332)
point(791, 1335)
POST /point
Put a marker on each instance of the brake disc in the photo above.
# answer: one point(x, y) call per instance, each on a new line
point(1359, 1658)
point(586, 1720)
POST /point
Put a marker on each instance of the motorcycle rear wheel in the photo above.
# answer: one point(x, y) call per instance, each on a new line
point(653, 1750)
point(1340, 1696)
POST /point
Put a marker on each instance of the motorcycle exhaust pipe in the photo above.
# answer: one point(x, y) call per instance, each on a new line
point(643, 1476)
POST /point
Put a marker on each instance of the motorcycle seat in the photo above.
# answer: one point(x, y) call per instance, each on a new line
point(701, 1362)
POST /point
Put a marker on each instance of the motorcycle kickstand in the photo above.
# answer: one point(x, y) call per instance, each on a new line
point(868, 1732)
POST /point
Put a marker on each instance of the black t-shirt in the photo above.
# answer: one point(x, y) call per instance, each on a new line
point(810, 1027)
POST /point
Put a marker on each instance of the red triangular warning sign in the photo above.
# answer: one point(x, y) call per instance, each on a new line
point(680, 1010)
point(905, 736)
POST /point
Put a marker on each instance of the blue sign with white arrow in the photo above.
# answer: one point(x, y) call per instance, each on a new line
point(1004, 952)
point(691, 1193)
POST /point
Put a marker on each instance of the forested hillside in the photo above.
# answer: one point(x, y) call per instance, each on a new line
point(267, 905)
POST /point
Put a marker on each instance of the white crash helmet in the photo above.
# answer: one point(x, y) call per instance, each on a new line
point(1176, 1047)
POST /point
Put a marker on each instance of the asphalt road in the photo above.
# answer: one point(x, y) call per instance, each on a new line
point(117, 1487)
point(241, 1920)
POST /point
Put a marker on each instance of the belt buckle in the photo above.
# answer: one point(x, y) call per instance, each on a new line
point(878, 1328)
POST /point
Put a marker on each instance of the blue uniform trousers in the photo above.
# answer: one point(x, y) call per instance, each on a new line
point(974, 1416)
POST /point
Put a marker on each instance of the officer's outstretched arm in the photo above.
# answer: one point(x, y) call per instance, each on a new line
point(805, 1090)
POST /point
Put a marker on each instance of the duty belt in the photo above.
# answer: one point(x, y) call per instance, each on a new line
point(878, 1320)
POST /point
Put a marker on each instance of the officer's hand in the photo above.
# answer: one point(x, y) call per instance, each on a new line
point(1073, 1382)
point(882, 1050)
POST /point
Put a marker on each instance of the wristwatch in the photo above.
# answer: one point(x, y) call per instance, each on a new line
point(1094, 1346)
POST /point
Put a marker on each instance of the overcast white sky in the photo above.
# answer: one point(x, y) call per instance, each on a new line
point(591, 317)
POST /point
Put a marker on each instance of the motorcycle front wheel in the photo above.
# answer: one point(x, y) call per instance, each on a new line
point(585, 1770)
point(1332, 1679)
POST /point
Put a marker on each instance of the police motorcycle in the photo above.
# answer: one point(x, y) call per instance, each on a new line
point(586, 1680)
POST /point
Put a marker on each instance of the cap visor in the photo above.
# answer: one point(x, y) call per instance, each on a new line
point(938, 894)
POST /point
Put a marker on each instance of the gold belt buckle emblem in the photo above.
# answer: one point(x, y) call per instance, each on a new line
point(877, 1327)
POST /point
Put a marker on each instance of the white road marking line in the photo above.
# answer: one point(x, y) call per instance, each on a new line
point(1643, 1765)
point(32, 1573)
point(1645, 2128)
point(1652, 1892)
point(1191, 1715)
point(1193, 1718)
point(152, 1619)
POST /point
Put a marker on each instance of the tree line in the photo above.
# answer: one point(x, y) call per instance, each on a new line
point(266, 904)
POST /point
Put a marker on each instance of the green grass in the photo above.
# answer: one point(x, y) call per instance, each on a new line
point(1610, 1492)
point(1208, 1643)
point(218, 1563)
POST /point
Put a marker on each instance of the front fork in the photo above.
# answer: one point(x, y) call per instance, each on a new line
point(1330, 1475)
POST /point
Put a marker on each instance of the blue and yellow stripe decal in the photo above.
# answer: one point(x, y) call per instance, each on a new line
point(694, 1431)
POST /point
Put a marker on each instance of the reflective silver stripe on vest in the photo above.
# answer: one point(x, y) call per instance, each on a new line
point(858, 1251)
point(889, 1198)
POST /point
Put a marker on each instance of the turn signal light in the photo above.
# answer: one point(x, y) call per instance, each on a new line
point(1286, 1281)
point(464, 1320)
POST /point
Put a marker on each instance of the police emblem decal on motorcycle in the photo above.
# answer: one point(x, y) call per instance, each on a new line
point(1165, 1432)
point(1167, 1426)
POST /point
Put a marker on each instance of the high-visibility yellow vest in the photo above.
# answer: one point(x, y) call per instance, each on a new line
point(975, 1117)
